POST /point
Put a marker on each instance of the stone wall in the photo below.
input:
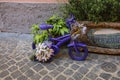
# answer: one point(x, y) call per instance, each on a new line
point(18, 17)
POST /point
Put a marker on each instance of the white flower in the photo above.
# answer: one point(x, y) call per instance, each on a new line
point(43, 52)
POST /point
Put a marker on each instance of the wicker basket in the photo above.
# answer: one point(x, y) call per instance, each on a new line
point(104, 40)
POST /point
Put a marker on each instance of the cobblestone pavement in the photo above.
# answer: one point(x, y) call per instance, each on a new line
point(15, 50)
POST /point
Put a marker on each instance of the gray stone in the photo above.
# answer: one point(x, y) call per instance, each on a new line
point(25, 60)
point(54, 73)
point(29, 73)
point(3, 60)
point(60, 68)
point(36, 77)
point(30, 64)
point(83, 70)
point(77, 76)
point(19, 19)
point(70, 79)
point(8, 78)
point(24, 68)
point(61, 77)
point(66, 64)
point(47, 78)
point(118, 73)
point(92, 76)
point(4, 73)
point(109, 67)
point(16, 74)
point(105, 76)
point(20, 64)
point(22, 77)
point(51, 66)
point(99, 78)
point(13, 68)
point(74, 66)
point(68, 72)
point(85, 79)
point(3, 67)
point(38, 67)
point(11, 62)
point(115, 78)
point(43, 72)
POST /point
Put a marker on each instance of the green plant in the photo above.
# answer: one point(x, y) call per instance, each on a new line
point(59, 29)
point(59, 24)
point(39, 35)
point(94, 10)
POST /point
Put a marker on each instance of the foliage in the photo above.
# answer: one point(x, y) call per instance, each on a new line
point(94, 10)
point(39, 35)
point(59, 24)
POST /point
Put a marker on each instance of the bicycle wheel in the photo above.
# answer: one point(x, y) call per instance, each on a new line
point(78, 51)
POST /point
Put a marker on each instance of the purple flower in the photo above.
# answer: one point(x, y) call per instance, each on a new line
point(70, 21)
point(45, 26)
point(33, 46)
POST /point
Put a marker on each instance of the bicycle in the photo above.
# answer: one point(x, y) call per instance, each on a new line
point(77, 50)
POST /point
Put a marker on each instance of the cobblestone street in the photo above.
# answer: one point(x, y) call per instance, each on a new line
point(15, 50)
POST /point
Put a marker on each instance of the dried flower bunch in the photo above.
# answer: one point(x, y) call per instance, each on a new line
point(43, 52)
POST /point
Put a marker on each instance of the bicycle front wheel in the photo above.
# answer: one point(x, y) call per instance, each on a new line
point(78, 51)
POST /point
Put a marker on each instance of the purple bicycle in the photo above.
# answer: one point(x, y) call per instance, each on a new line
point(77, 50)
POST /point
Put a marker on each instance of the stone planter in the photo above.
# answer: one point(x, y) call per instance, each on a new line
point(102, 43)
point(106, 38)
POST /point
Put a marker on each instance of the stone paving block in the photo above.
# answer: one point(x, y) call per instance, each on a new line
point(35, 77)
point(3, 74)
point(75, 66)
point(20, 64)
point(38, 67)
point(8, 78)
point(47, 78)
point(77, 76)
point(16, 74)
point(70, 79)
point(31, 63)
point(83, 70)
point(43, 72)
point(22, 77)
point(109, 67)
point(3, 66)
point(118, 73)
point(60, 68)
point(11, 62)
point(51, 66)
point(12, 68)
point(24, 68)
point(61, 77)
point(66, 64)
point(2, 61)
point(105, 76)
point(115, 78)
point(85, 79)
point(29, 73)
point(99, 78)
point(68, 72)
point(54, 73)
point(92, 76)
